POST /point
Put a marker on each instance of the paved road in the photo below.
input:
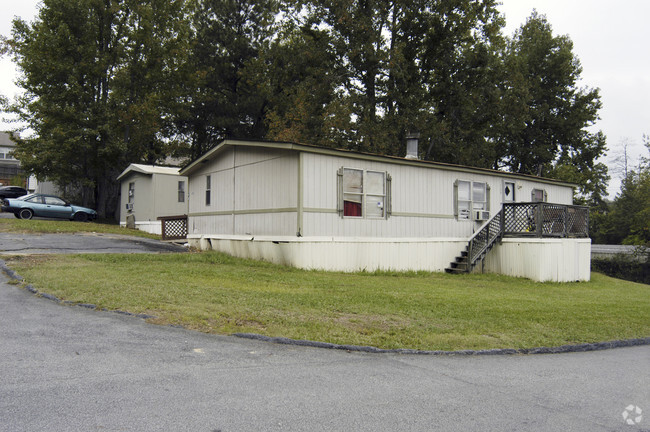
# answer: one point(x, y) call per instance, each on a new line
point(17, 243)
point(66, 368)
point(612, 249)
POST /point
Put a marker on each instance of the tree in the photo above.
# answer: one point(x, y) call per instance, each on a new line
point(95, 79)
point(299, 75)
point(110, 82)
point(627, 220)
point(548, 115)
point(621, 163)
point(427, 65)
point(147, 82)
point(222, 98)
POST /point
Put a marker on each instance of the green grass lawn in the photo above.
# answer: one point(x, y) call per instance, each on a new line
point(65, 226)
point(216, 293)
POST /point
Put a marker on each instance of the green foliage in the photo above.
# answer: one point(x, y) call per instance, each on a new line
point(299, 74)
point(56, 227)
point(96, 81)
point(635, 268)
point(18, 180)
point(547, 115)
point(222, 96)
point(112, 82)
point(627, 219)
point(421, 65)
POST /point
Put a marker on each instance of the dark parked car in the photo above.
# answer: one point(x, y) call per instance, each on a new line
point(11, 192)
point(47, 206)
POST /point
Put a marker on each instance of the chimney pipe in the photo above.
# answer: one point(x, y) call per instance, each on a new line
point(412, 139)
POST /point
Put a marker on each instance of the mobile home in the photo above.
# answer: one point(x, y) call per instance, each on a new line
point(321, 208)
point(148, 192)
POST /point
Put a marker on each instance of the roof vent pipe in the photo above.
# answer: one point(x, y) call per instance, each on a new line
point(412, 139)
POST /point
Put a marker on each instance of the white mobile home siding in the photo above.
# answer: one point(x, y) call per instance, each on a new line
point(143, 197)
point(253, 191)
point(166, 195)
point(270, 191)
point(422, 199)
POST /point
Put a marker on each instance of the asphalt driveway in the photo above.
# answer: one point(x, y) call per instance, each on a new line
point(17, 243)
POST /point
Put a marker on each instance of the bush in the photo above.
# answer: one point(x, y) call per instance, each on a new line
point(635, 267)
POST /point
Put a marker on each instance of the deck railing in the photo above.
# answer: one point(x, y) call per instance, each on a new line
point(545, 220)
point(534, 219)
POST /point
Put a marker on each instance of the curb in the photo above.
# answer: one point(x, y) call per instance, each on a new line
point(597, 346)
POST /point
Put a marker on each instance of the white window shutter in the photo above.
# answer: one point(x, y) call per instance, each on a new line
point(456, 198)
point(487, 196)
point(339, 192)
point(389, 195)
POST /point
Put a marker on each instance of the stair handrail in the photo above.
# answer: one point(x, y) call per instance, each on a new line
point(474, 255)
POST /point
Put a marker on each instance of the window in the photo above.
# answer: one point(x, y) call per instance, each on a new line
point(208, 189)
point(54, 201)
point(538, 195)
point(471, 200)
point(364, 194)
point(131, 192)
point(181, 191)
point(463, 199)
point(129, 204)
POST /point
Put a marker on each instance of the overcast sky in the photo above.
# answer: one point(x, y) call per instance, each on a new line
point(611, 39)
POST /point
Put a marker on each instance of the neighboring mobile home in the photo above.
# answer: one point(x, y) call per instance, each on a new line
point(148, 192)
point(9, 165)
point(321, 208)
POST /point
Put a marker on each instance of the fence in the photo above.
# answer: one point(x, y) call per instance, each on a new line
point(545, 220)
point(173, 227)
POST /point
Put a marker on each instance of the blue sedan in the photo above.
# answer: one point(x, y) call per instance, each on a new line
point(47, 206)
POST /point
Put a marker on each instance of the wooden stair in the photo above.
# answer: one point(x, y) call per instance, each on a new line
point(479, 245)
point(461, 264)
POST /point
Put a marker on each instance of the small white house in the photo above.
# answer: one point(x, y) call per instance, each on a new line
point(321, 208)
point(148, 192)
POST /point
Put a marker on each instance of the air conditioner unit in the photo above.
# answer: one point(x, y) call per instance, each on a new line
point(129, 206)
point(481, 215)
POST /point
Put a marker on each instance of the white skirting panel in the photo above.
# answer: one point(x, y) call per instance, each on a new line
point(559, 260)
point(152, 227)
point(339, 253)
point(541, 259)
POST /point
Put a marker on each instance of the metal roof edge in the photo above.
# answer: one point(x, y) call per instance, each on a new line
point(139, 168)
point(309, 148)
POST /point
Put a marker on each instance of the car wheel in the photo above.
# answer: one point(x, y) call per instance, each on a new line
point(26, 214)
point(81, 217)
